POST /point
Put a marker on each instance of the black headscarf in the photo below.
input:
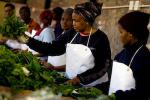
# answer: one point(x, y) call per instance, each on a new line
point(88, 10)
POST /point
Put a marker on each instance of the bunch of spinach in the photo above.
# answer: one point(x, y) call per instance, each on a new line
point(12, 74)
point(12, 71)
point(87, 92)
point(12, 27)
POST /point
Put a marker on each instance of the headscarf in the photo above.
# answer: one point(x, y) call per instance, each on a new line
point(88, 10)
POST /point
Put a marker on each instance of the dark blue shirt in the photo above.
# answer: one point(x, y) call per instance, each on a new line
point(141, 71)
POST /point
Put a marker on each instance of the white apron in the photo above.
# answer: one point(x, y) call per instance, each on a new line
point(122, 76)
point(57, 60)
point(79, 59)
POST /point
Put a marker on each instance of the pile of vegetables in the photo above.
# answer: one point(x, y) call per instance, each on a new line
point(22, 71)
point(87, 92)
point(12, 27)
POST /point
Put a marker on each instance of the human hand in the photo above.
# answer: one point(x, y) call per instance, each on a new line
point(47, 65)
point(73, 81)
point(107, 97)
point(27, 34)
point(15, 50)
point(3, 41)
point(23, 38)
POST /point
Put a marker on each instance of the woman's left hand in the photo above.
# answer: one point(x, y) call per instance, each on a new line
point(74, 81)
point(47, 65)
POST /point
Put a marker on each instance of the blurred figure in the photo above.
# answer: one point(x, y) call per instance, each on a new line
point(25, 15)
point(66, 24)
point(11, 26)
point(66, 20)
point(46, 33)
point(57, 14)
point(9, 9)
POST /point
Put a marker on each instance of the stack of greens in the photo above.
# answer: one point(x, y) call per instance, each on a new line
point(12, 27)
point(22, 71)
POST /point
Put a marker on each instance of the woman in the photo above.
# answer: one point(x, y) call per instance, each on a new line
point(66, 19)
point(58, 62)
point(9, 9)
point(132, 82)
point(92, 51)
point(45, 34)
point(56, 25)
point(25, 15)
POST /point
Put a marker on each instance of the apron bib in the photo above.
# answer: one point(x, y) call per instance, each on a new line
point(79, 59)
point(122, 76)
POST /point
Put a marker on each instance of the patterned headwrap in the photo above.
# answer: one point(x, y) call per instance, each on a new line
point(88, 10)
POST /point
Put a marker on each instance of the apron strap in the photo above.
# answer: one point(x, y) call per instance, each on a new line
point(88, 38)
point(73, 38)
point(135, 55)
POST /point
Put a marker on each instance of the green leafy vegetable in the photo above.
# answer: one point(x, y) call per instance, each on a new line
point(12, 27)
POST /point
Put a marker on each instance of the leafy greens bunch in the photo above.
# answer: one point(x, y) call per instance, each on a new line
point(12, 27)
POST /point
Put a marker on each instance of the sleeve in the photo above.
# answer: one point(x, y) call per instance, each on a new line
point(102, 56)
point(48, 35)
point(52, 49)
point(55, 48)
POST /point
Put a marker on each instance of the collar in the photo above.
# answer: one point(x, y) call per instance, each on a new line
point(84, 34)
point(134, 46)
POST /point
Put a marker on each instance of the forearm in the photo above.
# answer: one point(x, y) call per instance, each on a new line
point(52, 49)
point(94, 74)
point(60, 68)
point(38, 46)
point(86, 79)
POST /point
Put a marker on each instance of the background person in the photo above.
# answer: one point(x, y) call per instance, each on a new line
point(46, 33)
point(59, 62)
point(57, 14)
point(25, 15)
point(9, 9)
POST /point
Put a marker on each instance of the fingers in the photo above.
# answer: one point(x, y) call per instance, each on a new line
point(47, 65)
point(28, 34)
point(73, 81)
